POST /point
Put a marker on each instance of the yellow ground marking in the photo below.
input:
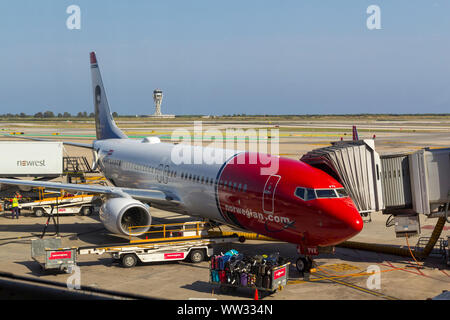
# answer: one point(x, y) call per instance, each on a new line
point(334, 277)
point(340, 267)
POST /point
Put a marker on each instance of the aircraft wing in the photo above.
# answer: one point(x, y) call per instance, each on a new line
point(153, 196)
point(76, 144)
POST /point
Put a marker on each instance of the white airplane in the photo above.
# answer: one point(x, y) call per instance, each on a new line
point(298, 204)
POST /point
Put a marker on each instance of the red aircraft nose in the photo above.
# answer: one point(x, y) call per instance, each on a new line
point(354, 221)
point(343, 218)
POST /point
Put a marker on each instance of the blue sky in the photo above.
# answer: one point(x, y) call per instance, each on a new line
point(225, 57)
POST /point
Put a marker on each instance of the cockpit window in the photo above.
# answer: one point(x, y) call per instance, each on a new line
point(305, 194)
point(326, 193)
point(300, 192)
point(310, 194)
point(342, 193)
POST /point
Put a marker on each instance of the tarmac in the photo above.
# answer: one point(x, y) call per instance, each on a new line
point(341, 276)
point(344, 275)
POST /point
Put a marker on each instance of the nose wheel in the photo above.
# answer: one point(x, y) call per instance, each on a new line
point(304, 265)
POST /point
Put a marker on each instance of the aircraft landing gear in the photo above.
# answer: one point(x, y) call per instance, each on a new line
point(304, 265)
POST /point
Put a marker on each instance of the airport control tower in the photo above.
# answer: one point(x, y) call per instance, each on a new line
point(157, 97)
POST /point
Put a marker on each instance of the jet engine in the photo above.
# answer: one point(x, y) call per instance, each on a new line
point(125, 216)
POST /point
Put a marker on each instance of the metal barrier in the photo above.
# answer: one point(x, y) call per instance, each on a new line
point(172, 231)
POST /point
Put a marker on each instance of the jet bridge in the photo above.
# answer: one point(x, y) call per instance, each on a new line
point(356, 165)
point(403, 184)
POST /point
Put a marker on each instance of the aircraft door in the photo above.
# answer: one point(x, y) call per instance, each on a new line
point(269, 193)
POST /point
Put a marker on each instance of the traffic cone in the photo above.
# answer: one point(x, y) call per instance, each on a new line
point(256, 295)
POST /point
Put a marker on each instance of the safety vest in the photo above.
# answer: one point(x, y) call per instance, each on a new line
point(15, 202)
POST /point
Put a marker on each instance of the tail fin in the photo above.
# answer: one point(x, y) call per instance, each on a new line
point(355, 134)
point(105, 126)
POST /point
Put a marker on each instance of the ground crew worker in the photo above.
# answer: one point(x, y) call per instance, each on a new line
point(15, 205)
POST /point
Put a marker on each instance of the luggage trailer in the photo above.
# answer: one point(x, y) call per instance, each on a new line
point(77, 204)
point(50, 255)
point(195, 250)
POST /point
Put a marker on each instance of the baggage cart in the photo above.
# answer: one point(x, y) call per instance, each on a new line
point(51, 256)
point(278, 279)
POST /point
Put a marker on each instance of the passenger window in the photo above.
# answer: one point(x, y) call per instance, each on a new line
point(311, 195)
point(240, 187)
point(245, 188)
point(234, 186)
point(300, 192)
point(326, 193)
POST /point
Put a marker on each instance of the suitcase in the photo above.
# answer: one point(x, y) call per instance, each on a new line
point(213, 263)
point(235, 260)
point(216, 262)
point(251, 280)
point(259, 280)
point(215, 276)
point(222, 262)
point(222, 277)
point(267, 269)
point(244, 279)
point(236, 279)
point(266, 281)
point(261, 269)
point(240, 267)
